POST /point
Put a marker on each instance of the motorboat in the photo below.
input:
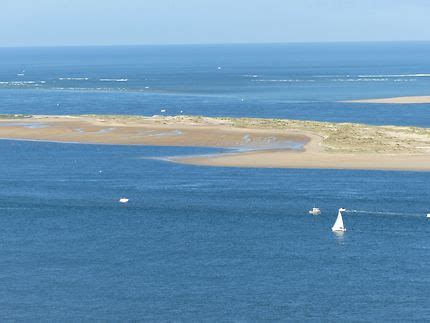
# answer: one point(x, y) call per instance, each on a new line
point(123, 200)
point(315, 211)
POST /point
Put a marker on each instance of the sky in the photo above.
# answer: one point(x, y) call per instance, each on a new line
point(114, 22)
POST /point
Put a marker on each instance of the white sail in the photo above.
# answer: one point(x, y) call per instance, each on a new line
point(338, 225)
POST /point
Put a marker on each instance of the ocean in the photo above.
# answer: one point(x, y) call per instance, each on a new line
point(209, 243)
point(296, 81)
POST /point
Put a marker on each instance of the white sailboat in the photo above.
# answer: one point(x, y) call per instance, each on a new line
point(338, 225)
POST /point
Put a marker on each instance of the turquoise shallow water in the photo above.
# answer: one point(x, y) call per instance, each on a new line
point(201, 243)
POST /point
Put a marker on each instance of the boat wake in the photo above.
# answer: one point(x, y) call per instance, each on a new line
point(384, 213)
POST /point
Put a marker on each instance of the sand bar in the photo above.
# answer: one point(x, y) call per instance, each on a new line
point(396, 100)
point(272, 143)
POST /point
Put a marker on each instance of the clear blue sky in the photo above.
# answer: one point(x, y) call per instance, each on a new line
point(108, 22)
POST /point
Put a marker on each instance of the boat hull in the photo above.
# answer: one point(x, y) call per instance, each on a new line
point(338, 230)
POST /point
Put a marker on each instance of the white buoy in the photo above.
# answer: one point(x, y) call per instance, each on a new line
point(123, 200)
point(219, 67)
point(338, 225)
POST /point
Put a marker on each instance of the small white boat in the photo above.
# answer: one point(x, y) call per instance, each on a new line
point(315, 211)
point(123, 200)
point(163, 110)
point(428, 215)
point(338, 225)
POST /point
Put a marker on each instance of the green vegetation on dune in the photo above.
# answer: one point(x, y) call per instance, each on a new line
point(349, 137)
point(14, 116)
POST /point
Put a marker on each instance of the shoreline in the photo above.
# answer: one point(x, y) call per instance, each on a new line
point(294, 160)
point(394, 100)
point(258, 143)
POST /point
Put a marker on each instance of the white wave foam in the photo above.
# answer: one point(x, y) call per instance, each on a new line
point(113, 80)
point(361, 80)
point(23, 82)
point(330, 76)
point(83, 89)
point(364, 79)
point(284, 81)
point(372, 76)
point(73, 78)
point(394, 75)
point(404, 80)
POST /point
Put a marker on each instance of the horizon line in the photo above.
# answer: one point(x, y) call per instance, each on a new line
point(212, 44)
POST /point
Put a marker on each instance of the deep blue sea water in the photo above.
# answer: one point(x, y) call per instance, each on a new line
point(202, 243)
point(300, 81)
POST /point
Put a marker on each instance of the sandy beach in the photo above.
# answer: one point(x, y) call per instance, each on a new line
point(265, 143)
point(396, 100)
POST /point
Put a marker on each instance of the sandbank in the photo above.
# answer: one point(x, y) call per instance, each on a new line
point(262, 143)
point(396, 100)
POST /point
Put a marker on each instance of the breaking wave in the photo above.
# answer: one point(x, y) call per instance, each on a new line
point(113, 80)
point(373, 77)
point(393, 75)
point(22, 83)
point(364, 79)
point(284, 81)
point(73, 78)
